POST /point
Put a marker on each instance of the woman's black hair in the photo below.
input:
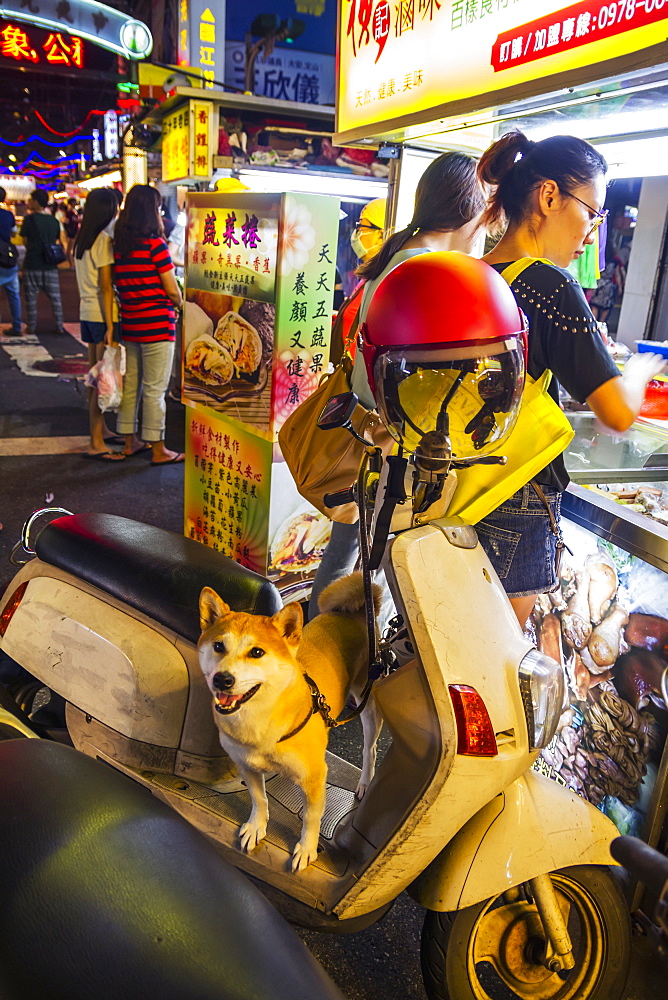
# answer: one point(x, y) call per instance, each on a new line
point(139, 219)
point(448, 196)
point(515, 166)
point(100, 208)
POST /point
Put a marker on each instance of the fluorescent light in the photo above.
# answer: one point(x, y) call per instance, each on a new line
point(592, 128)
point(636, 157)
point(341, 186)
point(101, 181)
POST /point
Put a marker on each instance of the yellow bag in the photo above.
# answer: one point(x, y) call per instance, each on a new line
point(542, 432)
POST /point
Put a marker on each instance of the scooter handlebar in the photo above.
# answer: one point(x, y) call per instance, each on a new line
point(341, 496)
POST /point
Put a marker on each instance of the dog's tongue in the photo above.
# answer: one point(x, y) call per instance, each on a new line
point(226, 699)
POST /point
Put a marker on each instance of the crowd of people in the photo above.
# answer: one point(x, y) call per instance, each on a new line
point(127, 293)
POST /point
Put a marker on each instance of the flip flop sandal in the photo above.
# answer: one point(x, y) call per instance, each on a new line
point(171, 461)
point(103, 456)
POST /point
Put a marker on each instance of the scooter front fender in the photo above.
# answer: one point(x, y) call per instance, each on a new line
point(533, 827)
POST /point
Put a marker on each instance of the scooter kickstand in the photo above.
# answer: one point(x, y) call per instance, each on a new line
point(558, 947)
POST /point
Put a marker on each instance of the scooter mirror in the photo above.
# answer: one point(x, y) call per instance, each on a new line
point(337, 411)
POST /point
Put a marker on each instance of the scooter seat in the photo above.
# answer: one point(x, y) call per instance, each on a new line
point(155, 571)
point(108, 893)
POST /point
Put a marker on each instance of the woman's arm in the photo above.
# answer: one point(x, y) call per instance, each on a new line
point(617, 402)
point(172, 290)
point(107, 289)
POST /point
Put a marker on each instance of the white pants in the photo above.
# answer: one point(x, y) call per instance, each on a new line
point(147, 371)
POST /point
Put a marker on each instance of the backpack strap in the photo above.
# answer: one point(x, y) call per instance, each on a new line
point(512, 272)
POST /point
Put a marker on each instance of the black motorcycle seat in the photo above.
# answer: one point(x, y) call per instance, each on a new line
point(155, 571)
point(107, 893)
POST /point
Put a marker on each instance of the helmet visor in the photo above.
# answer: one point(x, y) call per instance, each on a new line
point(470, 393)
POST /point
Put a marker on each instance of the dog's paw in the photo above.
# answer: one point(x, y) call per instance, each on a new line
point(250, 835)
point(303, 856)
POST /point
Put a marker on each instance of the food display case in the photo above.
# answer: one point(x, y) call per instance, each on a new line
point(607, 622)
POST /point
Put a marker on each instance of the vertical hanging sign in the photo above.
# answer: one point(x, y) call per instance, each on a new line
point(202, 39)
point(111, 135)
point(184, 33)
point(201, 117)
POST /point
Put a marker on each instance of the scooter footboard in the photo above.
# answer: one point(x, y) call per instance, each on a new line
point(533, 827)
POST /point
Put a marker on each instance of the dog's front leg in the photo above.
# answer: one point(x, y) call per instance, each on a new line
point(372, 723)
point(314, 792)
point(254, 830)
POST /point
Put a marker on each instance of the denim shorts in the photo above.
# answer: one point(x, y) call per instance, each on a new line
point(92, 332)
point(519, 541)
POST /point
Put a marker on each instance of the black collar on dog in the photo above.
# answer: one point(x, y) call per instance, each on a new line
point(318, 705)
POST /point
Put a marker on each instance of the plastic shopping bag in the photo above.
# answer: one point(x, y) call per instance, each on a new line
point(107, 377)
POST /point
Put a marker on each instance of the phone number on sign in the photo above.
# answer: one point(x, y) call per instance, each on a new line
point(613, 13)
point(578, 25)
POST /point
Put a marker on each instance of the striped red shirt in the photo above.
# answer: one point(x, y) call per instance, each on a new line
point(147, 314)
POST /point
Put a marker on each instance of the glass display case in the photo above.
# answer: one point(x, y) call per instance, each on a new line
point(596, 455)
point(607, 622)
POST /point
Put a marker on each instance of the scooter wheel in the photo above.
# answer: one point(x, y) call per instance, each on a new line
point(492, 950)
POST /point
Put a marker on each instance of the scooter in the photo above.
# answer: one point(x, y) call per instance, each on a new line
point(512, 869)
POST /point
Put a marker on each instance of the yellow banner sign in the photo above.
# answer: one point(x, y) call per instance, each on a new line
point(187, 142)
point(402, 59)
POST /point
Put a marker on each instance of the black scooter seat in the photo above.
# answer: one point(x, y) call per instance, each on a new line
point(108, 894)
point(155, 571)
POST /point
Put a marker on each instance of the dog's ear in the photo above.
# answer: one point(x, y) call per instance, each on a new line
point(211, 608)
point(290, 621)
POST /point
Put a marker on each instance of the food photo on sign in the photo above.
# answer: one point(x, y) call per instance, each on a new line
point(298, 536)
point(229, 312)
point(607, 624)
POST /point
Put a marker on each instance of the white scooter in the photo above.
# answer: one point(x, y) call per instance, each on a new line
point(511, 868)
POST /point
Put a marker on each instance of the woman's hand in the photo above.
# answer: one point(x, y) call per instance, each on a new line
point(109, 338)
point(617, 402)
point(640, 369)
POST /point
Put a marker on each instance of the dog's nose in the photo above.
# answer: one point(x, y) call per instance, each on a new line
point(223, 681)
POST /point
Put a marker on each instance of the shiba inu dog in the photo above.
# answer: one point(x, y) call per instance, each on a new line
point(265, 674)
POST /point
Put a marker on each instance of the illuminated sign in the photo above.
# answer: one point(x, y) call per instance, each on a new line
point(97, 146)
point(111, 135)
point(407, 62)
point(201, 114)
point(59, 49)
point(201, 37)
point(109, 28)
point(187, 142)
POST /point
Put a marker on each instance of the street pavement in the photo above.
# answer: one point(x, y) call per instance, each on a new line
point(43, 430)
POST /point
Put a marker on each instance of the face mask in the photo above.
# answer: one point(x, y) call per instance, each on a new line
point(357, 245)
point(365, 241)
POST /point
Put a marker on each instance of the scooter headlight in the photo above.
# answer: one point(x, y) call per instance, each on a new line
point(542, 688)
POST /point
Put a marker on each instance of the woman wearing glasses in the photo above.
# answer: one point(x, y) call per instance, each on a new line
point(549, 196)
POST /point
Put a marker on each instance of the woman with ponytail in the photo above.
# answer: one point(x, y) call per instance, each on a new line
point(449, 203)
point(547, 200)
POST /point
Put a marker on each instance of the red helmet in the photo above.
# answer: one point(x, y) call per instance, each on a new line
point(443, 333)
